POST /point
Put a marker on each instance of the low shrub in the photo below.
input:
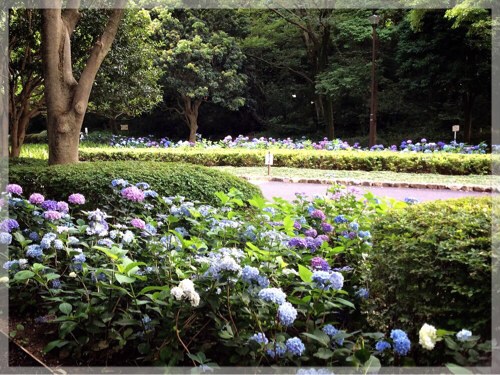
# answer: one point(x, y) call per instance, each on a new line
point(93, 179)
point(441, 163)
point(431, 263)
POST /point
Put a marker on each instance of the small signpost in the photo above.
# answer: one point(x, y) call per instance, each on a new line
point(124, 127)
point(269, 161)
point(86, 131)
point(455, 129)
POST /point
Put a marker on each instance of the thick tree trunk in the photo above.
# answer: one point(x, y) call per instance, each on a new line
point(190, 111)
point(67, 99)
point(18, 133)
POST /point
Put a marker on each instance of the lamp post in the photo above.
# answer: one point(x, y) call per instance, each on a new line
point(372, 139)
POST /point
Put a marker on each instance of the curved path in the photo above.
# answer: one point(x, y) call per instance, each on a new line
point(287, 190)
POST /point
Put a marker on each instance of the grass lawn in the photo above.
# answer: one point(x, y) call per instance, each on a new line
point(475, 180)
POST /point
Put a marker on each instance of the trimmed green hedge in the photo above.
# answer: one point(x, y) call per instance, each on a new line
point(442, 163)
point(431, 263)
point(93, 179)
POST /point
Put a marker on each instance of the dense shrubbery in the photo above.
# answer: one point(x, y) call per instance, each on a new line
point(449, 164)
point(170, 282)
point(432, 263)
point(92, 179)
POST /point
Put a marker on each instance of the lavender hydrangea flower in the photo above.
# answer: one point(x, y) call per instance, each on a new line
point(36, 198)
point(138, 223)
point(326, 227)
point(76, 198)
point(318, 214)
point(52, 215)
point(14, 189)
point(62, 207)
point(297, 225)
point(274, 295)
point(295, 346)
point(8, 225)
point(362, 293)
point(259, 338)
point(311, 232)
point(321, 264)
point(287, 314)
point(133, 194)
point(298, 242)
point(400, 341)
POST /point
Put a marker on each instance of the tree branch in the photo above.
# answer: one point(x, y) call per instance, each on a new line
point(71, 15)
point(303, 75)
point(97, 55)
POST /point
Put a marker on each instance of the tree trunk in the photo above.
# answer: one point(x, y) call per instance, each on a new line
point(67, 99)
point(190, 111)
point(18, 133)
point(468, 102)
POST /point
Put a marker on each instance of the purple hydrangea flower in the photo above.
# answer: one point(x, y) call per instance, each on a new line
point(311, 232)
point(138, 223)
point(133, 194)
point(36, 198)
point(49, 205)
point(297, 225)
point(321, 264)
point(14, 189)
point(52, 215)
point(299, 242)
point(62, 207)
point(327, 228)
point(8, 225)
point(318, 214)
point(76, 199)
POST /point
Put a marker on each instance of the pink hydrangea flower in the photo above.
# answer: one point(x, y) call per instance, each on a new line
point(138, 223)
point(14, 189)
point(76, 199)
point(36, 198)
point(52, 215)
point(133, 194)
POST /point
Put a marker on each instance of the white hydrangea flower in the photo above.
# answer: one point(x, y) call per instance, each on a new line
point(186, 285)
point(177, 292)
point(72, 274)
point(193, 297)
point(427, 336)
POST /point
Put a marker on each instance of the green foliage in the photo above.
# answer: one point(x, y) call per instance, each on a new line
point(92, 179)
point(449, 164)
point(431, 263)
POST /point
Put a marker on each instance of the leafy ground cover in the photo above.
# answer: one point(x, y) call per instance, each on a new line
point(428, 178)
point(173, 282)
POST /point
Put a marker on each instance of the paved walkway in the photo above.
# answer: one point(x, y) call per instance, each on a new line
point(287, 191)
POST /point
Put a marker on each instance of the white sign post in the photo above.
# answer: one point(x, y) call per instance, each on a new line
point(455, 129)
point(269, 161)
point(86, 131)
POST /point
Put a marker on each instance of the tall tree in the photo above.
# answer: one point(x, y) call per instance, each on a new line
point(66, 98)
point(25, 74)
point(201, 65)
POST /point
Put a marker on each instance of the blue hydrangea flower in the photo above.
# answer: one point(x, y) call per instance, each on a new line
point(259, 338)
point(400, 341)
point(249, 274)
point(119, 182)
point(34, 251)
point(33, 236)
point(411, 200)
point(275, 295)
point(182, 231)
point(56, 284)
point(142, 185)
point(332, 331)
point(364, 234)
point(340, 219)
point(7, 265)
point(295, 346)
point(328, 280)
point(287, 314)
point(80, 258)
point(128, 237)
point(5, 238)
point(464, 335)
point(105, 242)
point(276, 350)
point(58, 244)
point(362, 293)
point(382, 345)
point(354, 226)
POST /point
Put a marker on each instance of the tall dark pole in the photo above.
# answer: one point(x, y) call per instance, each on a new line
point(373, 103)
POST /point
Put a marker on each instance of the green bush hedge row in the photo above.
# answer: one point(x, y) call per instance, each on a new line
point(93, 179)
point(431, 263)
point(441, 163)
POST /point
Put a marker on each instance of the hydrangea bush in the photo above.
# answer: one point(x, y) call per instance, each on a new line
point(175, 282)
point(292, 144)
